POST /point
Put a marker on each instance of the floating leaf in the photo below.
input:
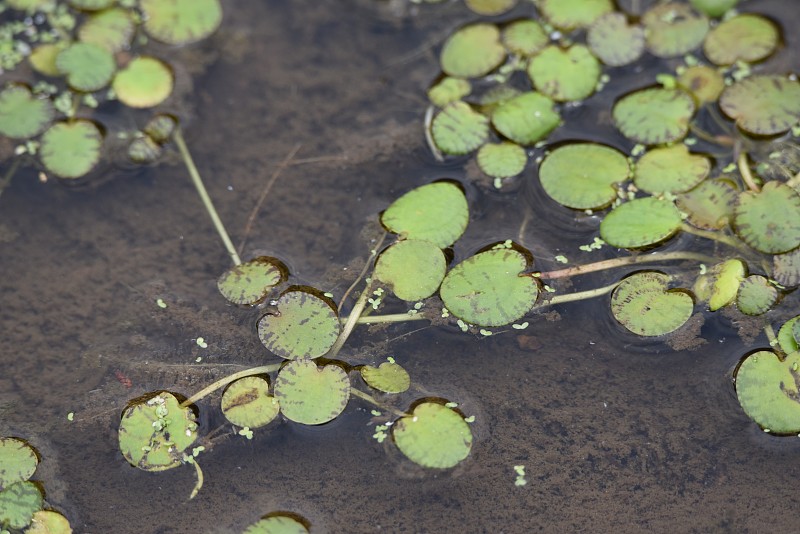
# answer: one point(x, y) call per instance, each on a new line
point(247, 403)
point(21, 115)
point(673, 29)
point(472, 51)
point(670, 169)
point(458, 129)
point(654, 116)
point(436, 212)
point(703, 82)
point(525, 37)
point(526, 118)
point(640, 223)
point(31, 5)
point(583, 175)
point(763, 105)
point(570, 14)
point(88, 67)
point(489, 288)
point(160, 127)
point(433, 436)
point(502, 160)
point(788, 338)
point(144, 150)
point(713, 8)
point(154, 433)
point(43, 58)
point(48, 522)
point(91, 5)
point(643, 304)
point(70, 149)
point(786, 268)
point(311, 395)
point(18, 461)
point(181, 22)
point(709, 205)
point(767, 391)
point(412, 268)
point(614, 41)
point(305, 325)
point(490, 8)
point(756, 295)
point(449, 90)
point(145, 82)
point(769, 221)
point(564, 75)
point(744, 37)
point(276, 524)
point(251, 281)
point(721, 284)
point(387, 377)
point(18, 503)
point(112, 29)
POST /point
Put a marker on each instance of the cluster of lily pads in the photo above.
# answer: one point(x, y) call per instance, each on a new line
point(504, 89)
point(86, 54)
point(22, 505)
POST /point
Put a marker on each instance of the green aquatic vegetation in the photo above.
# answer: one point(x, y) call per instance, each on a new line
point(278, 523)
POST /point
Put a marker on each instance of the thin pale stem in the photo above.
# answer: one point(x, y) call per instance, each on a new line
point(198, 485)
point(773, 339)
point(12, 169)
point(429, 136)
point(201, 190)
point(372, 400)
point(222, 382)
point(714, 236)
point(390, 318)
point(744, 170)
point(352, 320)
point(372, 254)
point(580, 295)
point(621, 262)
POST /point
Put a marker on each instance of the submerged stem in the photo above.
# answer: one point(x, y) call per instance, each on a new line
point(744, 170)
point(201, 190)
point(627, 260)
point(222, 382)
point(351, 322)
point(714, 236)
point(372, 400)
point(12, 169)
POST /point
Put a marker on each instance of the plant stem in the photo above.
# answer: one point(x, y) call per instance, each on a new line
point(714, 236)
point(201, 190)
point(627, 260)
point(390, 318)
point(580, 295)
point(744, 170)
point(222, 382)
point(372, 254)
point(372, 400)
point(12, 169)
point(352, 319)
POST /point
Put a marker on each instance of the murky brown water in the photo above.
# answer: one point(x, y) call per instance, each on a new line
point(613, 437)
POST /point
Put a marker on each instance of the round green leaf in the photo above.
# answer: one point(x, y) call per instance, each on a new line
point(583, 175)
point(654, 116)
point(305, 325)
point(502, 160)
point(112, 29)
point(433, 436)
point(472, 51)
point(88, 67)
point(525, 37)
point(563, 75)
point(276, 524)
point(387, 377)
point(70, 149)
point(713, 8)
point(48, 522)
point(763, 105)
point(744, 37)
point(570, 14)
point(670, 169)
point(18, 503)
point(181, 22)
point(21, 115)
point(145, 82)
point(251, 281)
point(490, 8)
point(710, 204)
point(449, 90)
point(673, 29)
point(18, 461)
point(436, 212)
point(43, 58)
point(526, 118)
point(247, 403)
point(769, 221)
point(786, 268)
point(458, 129)
point(91, 5)
point(756, 295)
point(640, 223)
point(643, 304)
point(788, 335)
point(309, 394)
point(412, 268)
point(154, 433)
point(488, 289)
point(767, 391)
point(144, 150)
point(703, 82)
point(721, 284)
point(614, 41)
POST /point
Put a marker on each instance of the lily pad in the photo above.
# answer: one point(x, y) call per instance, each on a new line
point(43, 58)
point(143, 150)
point(490, 8)
point(767, 391)
point(414, 269)
point(583, 175)
point(48, 522)
point(21, 114)
point(433, 436)
point(763, 105)
point(654, 116)
point(756, 295)
point(305, 325)
point(786, 268)
point(640, 223)
point(614, 41)
point(526, 118)
point(436, 212)
point(713, 8)
point(501, 160)
point(18, 461)
point(309, 394)
point(387, 377)
point(143, 83)
point(565, 75)
point(525, 37)
point(179, 22)
point(160, 127)
point(673, 29)
point(449, 90)
point(769, 221)
point(88, 67)
point(112, 29)
point(18, 503)
point(472, 51)
point(459, 129)
point(276, 524)
point(703, 82)
point(670, 169)
point(789, 335)
point(70, 149)
point(721, 284)
point(643, 304)
point(154, 433)
point(710, 204)
point(745, 37)
point(489, 288)
point(250, 282)
point(247, 403)
point(570, 14)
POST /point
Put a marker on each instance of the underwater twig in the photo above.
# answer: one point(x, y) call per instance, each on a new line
point(372, 400)
point(201, 190)
point(620, 262)
point(9, 174)
point(744, 170)
point(372, 254)
point(272, 179)
point(222, 382)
